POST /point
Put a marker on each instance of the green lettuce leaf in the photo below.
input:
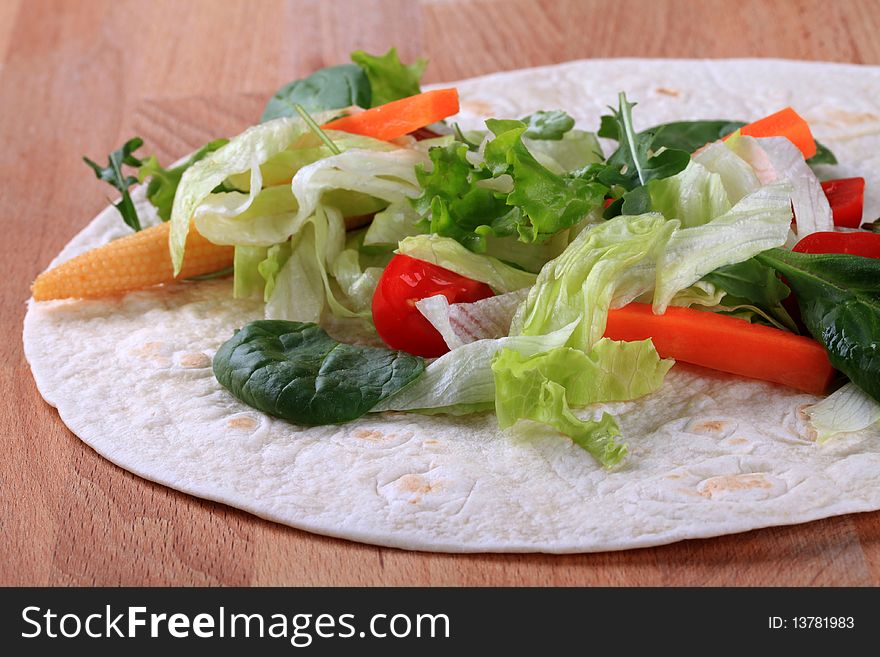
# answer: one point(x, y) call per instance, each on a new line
point(389, 78)
point(247, 281)
point(547, 124)
point(607, 263)
point(164, 182)
point(694, 196)
point(545, 386)
point(449, 254)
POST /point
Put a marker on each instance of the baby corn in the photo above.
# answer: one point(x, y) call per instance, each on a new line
point(129, 263)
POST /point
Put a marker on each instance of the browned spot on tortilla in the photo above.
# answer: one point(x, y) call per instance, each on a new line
point(149, 350)
point(738, 441)
point(241, 422)
point(673, 476)
point(710, 426)
point(432, 441)
point(477, 106)
point(689, 491)
point(738, 482)
point(413, 483)
point(195, 360)
point(666, 91)
point(369, 434)
point(851, 118)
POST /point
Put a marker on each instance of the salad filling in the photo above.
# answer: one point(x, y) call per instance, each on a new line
point(514, 268)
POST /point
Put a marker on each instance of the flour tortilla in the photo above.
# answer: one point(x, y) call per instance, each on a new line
point(710, 454)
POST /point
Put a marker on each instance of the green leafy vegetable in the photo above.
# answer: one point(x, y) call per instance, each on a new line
point(823, 155)
point(163, 182)
point(547, 124)
point(449, 254)
point(548, 202)
point(757, 284)
point(389, 78)
point(329, 88)
point(545, 386)
point(839, 299)
point(296, 371)
point(113, 174)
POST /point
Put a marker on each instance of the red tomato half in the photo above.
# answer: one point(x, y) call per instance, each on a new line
point(407, 280)
point(859, 243)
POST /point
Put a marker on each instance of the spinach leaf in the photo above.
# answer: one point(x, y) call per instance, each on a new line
point(112, 174)
point(163, 182)
point(547, 124)
point(839, 299)
point(755, 283)
point(389, 78)
point(329, 88)
point(295, 371)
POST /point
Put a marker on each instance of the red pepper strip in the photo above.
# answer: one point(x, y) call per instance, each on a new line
point(847, 198)
point(860, 243)
point(727, 344)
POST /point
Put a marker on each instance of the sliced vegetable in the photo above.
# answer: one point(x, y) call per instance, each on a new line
point(129, 263)
point(726, 344)
point(406, 281)
point(866, 245)
point(846, 196)
point(296, 371)
point(784, 123)
point(839, 299)
point(462, 323)
point(400, 117)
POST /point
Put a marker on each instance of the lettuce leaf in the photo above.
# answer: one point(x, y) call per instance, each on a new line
point(461, 323)
point(243, 153)
point(694, 196)
point(609, 263)
point(545, 386)
point(848, 409)
point(462, 379)
point(389, 78)
point(547, 124)
point(449, 254)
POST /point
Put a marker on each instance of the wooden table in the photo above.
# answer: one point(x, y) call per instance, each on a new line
point(79, 77)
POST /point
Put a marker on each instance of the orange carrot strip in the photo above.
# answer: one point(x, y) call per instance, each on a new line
point(129, 263)
point(727, 344)
point(784, 123)
point(400, 117)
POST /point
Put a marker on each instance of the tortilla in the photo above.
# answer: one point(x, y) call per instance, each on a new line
point(710, 454)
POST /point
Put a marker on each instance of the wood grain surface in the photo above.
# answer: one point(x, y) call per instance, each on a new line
point(78, 77)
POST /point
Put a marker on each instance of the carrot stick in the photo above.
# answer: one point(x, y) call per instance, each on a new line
point(784, 123)
point(400, 117)
point(129, 263)
point(727, 344)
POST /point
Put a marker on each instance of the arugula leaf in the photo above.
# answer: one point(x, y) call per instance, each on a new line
point(546, 124)
point(329, 88)
point(755, 283)
point(839, 299)
point(163, 182)
point(112, 174)
point(635, 162)
point(389, 78)
point(689, 136)
point(296, 371)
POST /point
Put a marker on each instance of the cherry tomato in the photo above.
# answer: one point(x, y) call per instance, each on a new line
point(846, 196)
point(857, 243)
point(407, 280)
